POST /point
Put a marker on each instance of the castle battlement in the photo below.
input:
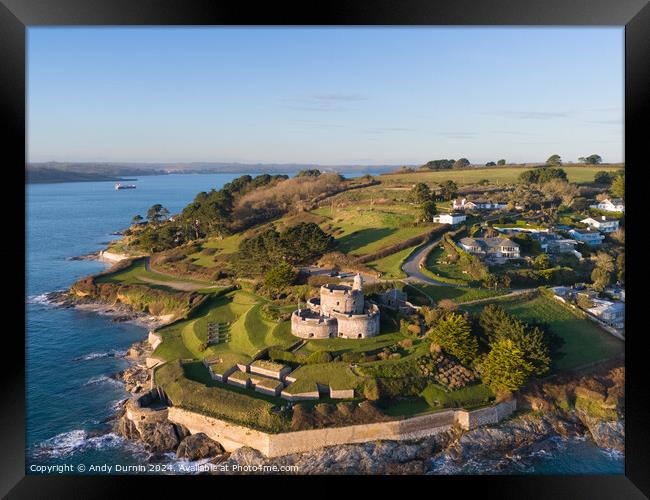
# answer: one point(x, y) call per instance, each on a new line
point(340, 311)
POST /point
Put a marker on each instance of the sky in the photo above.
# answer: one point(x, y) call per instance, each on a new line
point(329, 96)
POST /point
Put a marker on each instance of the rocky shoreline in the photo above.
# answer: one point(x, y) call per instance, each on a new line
point(119, 312)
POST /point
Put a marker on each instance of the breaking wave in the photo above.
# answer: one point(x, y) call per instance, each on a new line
point(68, 443)
point(113, 353)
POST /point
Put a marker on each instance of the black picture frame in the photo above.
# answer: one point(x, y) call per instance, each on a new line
point(17, 15)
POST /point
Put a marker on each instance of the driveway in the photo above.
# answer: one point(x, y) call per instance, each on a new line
point(411, 266)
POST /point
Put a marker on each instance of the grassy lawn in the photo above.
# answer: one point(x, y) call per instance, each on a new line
point(584, 341)
point(337, 375)
point(467, 397)
point(499, 174)
point(339, 346)
point(189, 386)
point(362, 229)
point(391, 265)
point(227, 245)
point(249, 332)
point(137, 274)
point(455, 293)
point(448, 272)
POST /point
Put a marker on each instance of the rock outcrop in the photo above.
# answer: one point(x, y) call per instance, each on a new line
point(196, 446)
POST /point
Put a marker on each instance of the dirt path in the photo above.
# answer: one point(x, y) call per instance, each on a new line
point(183, 286)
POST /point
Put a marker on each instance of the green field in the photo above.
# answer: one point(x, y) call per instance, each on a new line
point(448, 273)
point(501, 175)
point(390, 266)
point(361, 230)
point(338, 376)
point(138, 274)
point(249, 332)
point(467, 397)
point(456, 293)
point(584, 341)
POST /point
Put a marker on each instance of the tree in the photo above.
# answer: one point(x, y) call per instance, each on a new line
point(420, 193)
point(427, 211)
point(505, 367)
point(542, 261)
point(453, 333)
point(591, 160)
point(501, 162)
point(601, 276)
point(542, 175)
point(618, 186)
point(620, 267)
point(490, 320)
point(280, 276)
point(137, 219)
point(449, 189)
point(461, 163)
point(311, 172)
point(554, 161)
point(603, 177)
point(490, 164)
point(156, 213)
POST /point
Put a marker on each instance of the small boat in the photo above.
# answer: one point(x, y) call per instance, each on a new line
point(124, 186)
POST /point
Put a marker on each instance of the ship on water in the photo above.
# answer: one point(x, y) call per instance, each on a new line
point(124, 186)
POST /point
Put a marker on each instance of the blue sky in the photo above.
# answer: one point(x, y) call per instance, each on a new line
point(331, 96)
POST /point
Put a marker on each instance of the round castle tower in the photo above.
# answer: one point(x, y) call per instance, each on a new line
point(340, 311)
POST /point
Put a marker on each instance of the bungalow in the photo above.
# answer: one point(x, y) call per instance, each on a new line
point(465, 204)
point(604, 223)
point(588, 236)
point(612, 313)
point(499, 248)
point(611, 205)
point(451, 218)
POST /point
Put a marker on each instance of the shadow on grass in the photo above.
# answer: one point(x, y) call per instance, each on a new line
point(363, 237)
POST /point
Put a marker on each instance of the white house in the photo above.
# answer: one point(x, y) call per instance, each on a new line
point(612, 313)
point(452, 218)
point(604, 223)
point(611, 205)
point(465, 204)
point(588, 236)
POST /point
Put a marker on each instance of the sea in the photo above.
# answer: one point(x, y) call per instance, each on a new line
point(72, 355)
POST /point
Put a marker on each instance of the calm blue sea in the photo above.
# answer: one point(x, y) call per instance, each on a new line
point(72, 354)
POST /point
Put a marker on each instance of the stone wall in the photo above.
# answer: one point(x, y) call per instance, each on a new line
point(233, 436)
point(358, 325)
point(341, 300)
point(312, 327)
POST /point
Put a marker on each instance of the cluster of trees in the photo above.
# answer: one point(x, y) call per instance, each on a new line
point(591, 159)
point(422, 195)
point(607, 270)
point(446, 164)
point(542, 175)
point(499, 163)
point(473, 266)
point(517, 350)
point(296, 245)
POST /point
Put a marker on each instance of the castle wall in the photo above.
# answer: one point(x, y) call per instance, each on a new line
point(274, 445)
point(312, 328)
point(358, 325)
point(341, 300)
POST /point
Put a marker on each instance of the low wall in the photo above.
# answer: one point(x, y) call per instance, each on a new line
point(233, 436)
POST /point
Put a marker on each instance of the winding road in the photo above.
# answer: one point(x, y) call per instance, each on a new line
point(411, 266)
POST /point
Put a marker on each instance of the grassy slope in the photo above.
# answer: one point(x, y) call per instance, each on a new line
point(445, 271)
point(390, 266)
point(133, 275)
point(584, 341)
point(337, 375)
point(455, 293)
point(500, 174)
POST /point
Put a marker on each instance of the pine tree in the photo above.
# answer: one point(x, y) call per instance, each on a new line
point(454, 334)
point(505, 366)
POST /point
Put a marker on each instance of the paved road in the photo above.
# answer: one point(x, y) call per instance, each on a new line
point(412, 268)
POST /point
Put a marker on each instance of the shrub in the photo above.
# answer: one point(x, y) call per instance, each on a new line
point(319, 357)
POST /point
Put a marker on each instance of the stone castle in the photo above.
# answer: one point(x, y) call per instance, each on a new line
point(340, 311)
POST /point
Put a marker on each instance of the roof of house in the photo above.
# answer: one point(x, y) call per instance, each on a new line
point(613, 201)
point(489, 242)
point(584, 231)
point(601, 219)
